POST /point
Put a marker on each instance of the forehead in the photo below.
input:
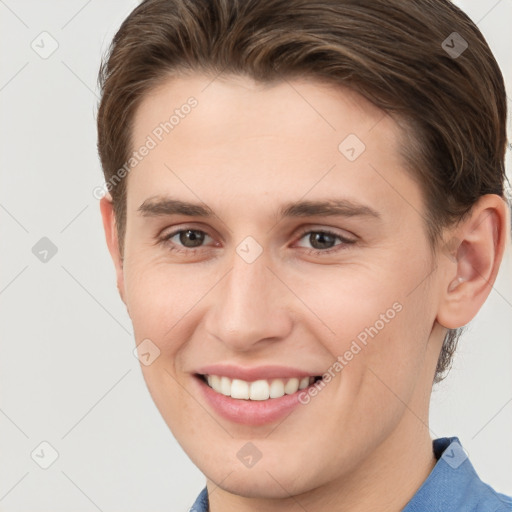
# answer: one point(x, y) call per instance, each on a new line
point(250, 139)
point(292, 107)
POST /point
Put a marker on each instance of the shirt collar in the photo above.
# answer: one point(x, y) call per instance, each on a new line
point(453, 485)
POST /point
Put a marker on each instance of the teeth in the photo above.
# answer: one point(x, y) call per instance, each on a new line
point(291, 386)
point(240, 389)
point(304, 383)
point(213, 380)
point(225, 386)
point(276, 388)
point(259, 389)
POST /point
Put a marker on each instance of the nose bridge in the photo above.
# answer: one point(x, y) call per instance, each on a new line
point(249, 306)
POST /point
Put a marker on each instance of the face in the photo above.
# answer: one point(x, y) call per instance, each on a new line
point(302, 254)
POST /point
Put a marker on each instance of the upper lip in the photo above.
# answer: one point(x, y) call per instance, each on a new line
point(255, 373)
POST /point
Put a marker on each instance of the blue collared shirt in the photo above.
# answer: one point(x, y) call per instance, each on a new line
point(452, 486)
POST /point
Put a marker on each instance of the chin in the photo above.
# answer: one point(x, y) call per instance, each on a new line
point(263, 481)
point(260, 485)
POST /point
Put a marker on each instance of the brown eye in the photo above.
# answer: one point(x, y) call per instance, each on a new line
point(191, 237)
point(322, 241)
point(186, 238)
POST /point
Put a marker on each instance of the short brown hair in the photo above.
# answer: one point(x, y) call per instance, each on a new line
point(424, 62)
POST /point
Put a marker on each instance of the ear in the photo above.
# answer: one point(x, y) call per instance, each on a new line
point(109, 225)
point(471, 259)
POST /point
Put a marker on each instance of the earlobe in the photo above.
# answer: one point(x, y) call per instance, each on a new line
point(472, 270)
point(111, 237)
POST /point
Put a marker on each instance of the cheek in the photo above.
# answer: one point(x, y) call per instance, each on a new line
point(160, 297)
point(348, 303)
point(374, 317)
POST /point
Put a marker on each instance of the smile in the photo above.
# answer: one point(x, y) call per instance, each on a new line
point(252, 396)
point(263, 389)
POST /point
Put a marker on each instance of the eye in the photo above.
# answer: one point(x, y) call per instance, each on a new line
point(323, 241)
point(187, 238)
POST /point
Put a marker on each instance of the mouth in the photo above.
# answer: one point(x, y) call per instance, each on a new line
point(257, 390)
point(256, 401)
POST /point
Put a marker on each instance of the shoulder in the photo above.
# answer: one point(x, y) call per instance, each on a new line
point(454, 485)
point(483, 498)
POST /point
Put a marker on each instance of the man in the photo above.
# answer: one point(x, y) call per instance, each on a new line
point(305, 206)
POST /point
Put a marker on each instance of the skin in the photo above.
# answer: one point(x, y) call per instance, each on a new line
point(363, 442)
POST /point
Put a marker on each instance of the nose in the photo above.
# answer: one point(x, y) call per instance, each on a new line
point(250, 307)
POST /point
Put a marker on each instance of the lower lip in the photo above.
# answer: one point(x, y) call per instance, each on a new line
point(250, 412)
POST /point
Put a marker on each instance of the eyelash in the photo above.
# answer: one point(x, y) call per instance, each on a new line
point(345, 242)
point(316, 252)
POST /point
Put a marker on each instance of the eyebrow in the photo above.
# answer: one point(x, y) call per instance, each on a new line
point(160, 206)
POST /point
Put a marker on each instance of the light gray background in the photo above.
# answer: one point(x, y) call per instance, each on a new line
point(68, 375)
